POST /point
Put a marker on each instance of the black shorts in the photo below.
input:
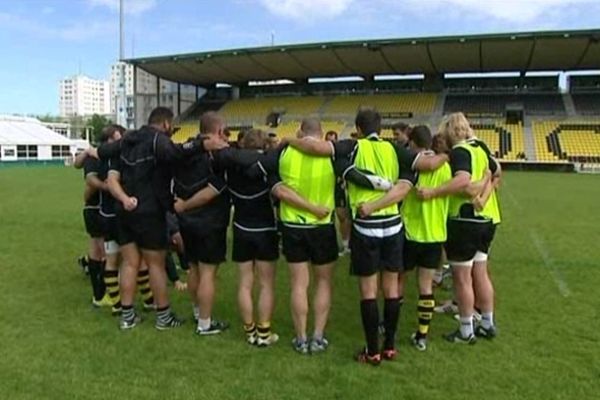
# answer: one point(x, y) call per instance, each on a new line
point(466, 238)
point(488, 237)
point(93, 222)
point(250, 246)
point(147, 231)
point(340, 197)
point(202, 245)
point(317, 245)
point(110, 229)
point(370, 255)
point(423, 255)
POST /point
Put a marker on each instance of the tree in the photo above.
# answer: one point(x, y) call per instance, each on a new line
point(97, 123)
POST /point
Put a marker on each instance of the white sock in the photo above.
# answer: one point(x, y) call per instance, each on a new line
point(487, 319)
point(196, 312)
point(203, 324)
point(466, 326)
point(345, 243)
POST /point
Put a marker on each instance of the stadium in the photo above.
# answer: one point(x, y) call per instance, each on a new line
point(544, 260)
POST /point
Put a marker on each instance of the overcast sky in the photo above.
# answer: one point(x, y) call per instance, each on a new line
point(44, 41)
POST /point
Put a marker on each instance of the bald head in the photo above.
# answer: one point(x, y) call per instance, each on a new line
point(211, 122)
point(311, 127)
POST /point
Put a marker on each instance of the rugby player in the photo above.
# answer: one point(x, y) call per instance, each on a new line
point(468, 230)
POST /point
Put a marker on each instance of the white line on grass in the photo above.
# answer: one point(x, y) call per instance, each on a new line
point(542, 249)
point(549, 263)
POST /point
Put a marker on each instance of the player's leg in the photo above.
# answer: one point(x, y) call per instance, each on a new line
point(207, 277)
point(393, 282)
point(143, 284)
point(111, 274)
point(299, 282)
point(345, 226)
point(428, 258)
point(322, 305)
point(246, 284)
point(484, 293)
point(128, 282)
point(368, 287)
point(461, 247)
point(165, 318)
point(365, 260)
point(209, 250)
point(266, 302)
point(322, 244)
point(95, 268)
point(192, 281)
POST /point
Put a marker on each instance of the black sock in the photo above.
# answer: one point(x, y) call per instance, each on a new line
point(391, 313)
point(95, 271)
point(183, 263)
point(370, 319)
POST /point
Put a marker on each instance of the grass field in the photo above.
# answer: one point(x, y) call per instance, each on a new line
point(545, 265)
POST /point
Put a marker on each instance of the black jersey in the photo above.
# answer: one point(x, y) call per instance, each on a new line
point(145, 158)
point(194, 174)
point(250, 193)
point(107, 201)
point(92, 167)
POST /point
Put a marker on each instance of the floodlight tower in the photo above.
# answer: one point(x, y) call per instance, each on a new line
point(121, 99)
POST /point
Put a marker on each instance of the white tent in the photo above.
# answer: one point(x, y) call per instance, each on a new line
point(23, 138)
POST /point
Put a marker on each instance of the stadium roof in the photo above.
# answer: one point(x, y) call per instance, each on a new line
point(22, 130)
point(532, 51)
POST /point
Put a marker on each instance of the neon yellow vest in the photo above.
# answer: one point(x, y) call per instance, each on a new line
point(491, 209)
point(379, 158)
point(425, 221)
point(311, 177)
point(479, 165)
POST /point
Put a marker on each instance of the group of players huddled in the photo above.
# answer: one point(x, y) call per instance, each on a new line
point(403, 204)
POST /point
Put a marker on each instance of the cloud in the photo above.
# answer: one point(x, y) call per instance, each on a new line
point(517, 12)
point(78, 31)
point(306, 10)
point(131, 6)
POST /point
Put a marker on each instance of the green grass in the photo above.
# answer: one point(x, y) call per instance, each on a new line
point(53, 345)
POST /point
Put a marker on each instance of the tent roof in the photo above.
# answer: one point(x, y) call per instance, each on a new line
point(22, 130)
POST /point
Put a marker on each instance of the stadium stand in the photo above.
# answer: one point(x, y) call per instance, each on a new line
point(257, 109)
point(504, 140)
point(568, 141)
point(495, 104)
point(587, 103)
point(405, 103)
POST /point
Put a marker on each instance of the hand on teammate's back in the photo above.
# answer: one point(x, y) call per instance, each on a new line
point(321, 212)
point(130, 203)
point(179, 205)
point(425, 193)
point(365, 210)
point(92, 152)
point(214, 142)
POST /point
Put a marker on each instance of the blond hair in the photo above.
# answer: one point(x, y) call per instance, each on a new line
point(456, 128)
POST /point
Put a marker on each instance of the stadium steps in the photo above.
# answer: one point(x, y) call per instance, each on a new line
point(529, 142)
point(569, 105)
point(324, 106)
point(438, 111)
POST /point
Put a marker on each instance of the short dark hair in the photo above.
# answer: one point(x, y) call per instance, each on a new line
point(421, 136)
point(254, 139)
point(160, 115)
point(331, 133)
point(109, 131)
point(400, 126)
point(368, 121)
point(210, 121)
